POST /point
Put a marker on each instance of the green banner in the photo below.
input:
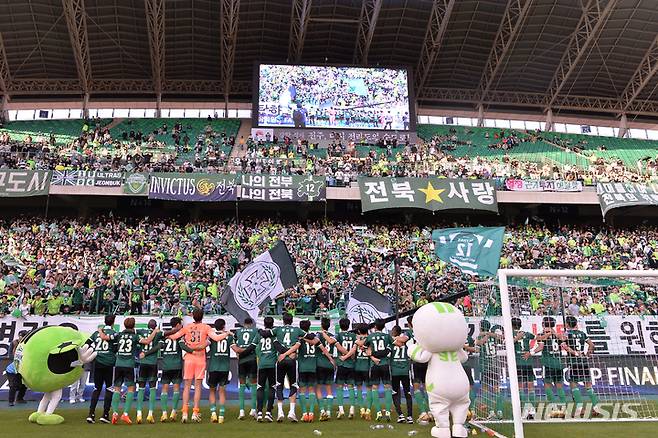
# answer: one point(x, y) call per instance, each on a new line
point(136, 184)
point(427, 193)
point(616, 195)
point(20, 183)
point(475, 251)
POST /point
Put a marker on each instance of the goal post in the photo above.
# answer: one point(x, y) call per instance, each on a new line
point(574, 367)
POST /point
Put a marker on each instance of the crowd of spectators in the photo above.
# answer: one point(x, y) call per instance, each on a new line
point(154, 266)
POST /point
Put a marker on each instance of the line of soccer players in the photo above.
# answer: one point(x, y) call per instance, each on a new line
point(320, 369)
point(569, 351)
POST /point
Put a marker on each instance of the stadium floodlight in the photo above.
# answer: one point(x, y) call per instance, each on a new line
point(538, 359)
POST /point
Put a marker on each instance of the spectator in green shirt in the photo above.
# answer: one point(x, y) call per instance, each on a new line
point(54, 303)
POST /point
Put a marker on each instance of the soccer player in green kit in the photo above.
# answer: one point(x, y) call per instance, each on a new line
point(345, 344)
point(488, 342)
point(171, 364)
point(551, 351)
point(128, 342)
point(362, 372)
point(525, 368)
point(148, 372)
point(267, 359)
point(379, 346)
point(326, 368)
point(103, 371)
point(470, 349)
point(245, 347)
point(400, 368)
point(419, 371)
point(219, 361)
point(579, 347)
point(287, 336)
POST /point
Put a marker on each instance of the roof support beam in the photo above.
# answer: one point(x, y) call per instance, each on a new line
point(508, 31)
point(367, 22)
point(436, 29)
point(76, 21)
point(642, 76)
point(155, 21)
point(5, 79)
point(229, 15)
point(591, 22)
point(301, 11)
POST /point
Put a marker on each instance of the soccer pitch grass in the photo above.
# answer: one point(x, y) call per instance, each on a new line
point(14, 424)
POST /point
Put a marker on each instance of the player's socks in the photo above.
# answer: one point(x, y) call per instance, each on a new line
point(418, 395)
point(222, 410)
point(368, 403)
point(302, 403)
point(241, 389)
point(292, 408)
point(174, 401)
point(279, 408)
point(340, 396)
point(561, 395)
point(577, 396)
point(329, 404)
point(116, 399)
point(140, 399)
point(592, 396)
point(164, 401)
point(213, 409)
point(549, 395)
point(312, 400)
point(152, 396)
point(351, 394)
point(129, 402)
point(471, 394)
point(252, 390)
point(388, 399)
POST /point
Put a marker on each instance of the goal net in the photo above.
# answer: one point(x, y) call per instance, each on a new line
point(562, 346)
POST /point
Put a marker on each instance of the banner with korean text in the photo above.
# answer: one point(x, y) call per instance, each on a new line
point(256, 187)
point(193, 187)
point(427, 193)
point(15, 183)
point(616, 195)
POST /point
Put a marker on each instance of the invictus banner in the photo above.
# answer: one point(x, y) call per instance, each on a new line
point(193, 187)
point(616, 195)
point(427, 193)
point(19, 183)
point(283, 188)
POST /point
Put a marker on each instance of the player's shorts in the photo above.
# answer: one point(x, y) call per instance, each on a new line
point(194, 369)
point(147, 373)
point(286, 368)
point(217, 378)
point(344, 376)
point(248, 370)
point(361, 377)
point(307, 378)
point(489, 375)
point(469, 373)
point(579, 372)
point(380, 374)
point(124, 375)
point(419, 372)
point(553, 375)
point(171, 377)
point(325, 376)
point(525, 373)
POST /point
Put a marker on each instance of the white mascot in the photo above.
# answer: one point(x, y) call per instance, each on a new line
point(440, 332)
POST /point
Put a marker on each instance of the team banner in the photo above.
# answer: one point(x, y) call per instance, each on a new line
point(283, 188)
point(616, 195)
point(476, 251)
point(541, 185)
point(428, 193)
point(20, 183)
point(366, 305)
point(267, 276)
point(193, 187)
point(136, 184)
point(91, 178)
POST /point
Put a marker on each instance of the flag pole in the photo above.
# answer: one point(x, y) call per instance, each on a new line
point(396, 266)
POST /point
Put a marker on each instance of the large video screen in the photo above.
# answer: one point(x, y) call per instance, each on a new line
point(304, 96)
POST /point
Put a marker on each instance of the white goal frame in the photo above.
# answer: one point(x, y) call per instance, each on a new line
point(503, 275)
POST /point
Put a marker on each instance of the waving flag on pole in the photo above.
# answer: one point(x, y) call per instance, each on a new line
point(262, 280)
point(475, 251)
point(366, 305)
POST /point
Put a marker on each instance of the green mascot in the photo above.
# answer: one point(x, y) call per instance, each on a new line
point(49, 359)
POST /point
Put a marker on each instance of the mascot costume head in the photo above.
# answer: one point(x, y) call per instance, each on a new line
point(440, 332)
point(49, 359)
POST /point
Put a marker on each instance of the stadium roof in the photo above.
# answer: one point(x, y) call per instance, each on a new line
point(570, 55)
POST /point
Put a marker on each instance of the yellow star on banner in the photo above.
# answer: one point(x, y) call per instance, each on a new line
point(432, 194)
